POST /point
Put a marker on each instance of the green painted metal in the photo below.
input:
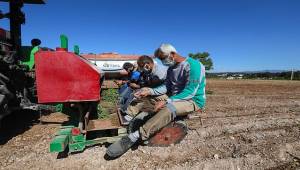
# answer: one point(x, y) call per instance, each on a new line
point(59, 143)
point(80, 146)
point(78, 143)
point(30, 63)
point(67, 127)
point(66, 130)
point(64, 41)
point(76, 49)
point(78, 138)
point(77, 147)
point(61, 140)
point(59, 107)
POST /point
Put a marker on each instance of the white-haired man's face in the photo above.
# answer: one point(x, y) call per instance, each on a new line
point(161, 55)
point(167, 60)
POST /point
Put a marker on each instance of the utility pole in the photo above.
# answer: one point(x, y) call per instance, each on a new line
point(292, 74)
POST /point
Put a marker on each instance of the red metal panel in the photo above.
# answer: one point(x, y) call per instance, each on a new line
point(62, 76)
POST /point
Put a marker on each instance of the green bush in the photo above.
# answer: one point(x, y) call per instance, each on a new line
point(107, 96)
point(102, 112)
point(110, 95)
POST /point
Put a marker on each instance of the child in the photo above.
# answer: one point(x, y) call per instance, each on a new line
point(127, 89)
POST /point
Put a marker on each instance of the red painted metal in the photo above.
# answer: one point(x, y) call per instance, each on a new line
point(61, 49)
point(75, 131)
point(63, 76)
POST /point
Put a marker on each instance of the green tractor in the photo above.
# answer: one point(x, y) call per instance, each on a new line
point(17, 85)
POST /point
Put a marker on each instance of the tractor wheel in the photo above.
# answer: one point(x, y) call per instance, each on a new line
point(5, 96)
point(3, 102)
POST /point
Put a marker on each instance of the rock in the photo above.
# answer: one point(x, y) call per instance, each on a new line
point(10, 161)
point(216, 156)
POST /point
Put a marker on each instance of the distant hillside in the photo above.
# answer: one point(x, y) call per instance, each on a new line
point(263, 74)
point(259, 71)
point(267, 71)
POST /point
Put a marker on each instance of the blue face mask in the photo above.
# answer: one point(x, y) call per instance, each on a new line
point(168, 62)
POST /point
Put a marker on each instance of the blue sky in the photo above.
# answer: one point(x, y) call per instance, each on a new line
point(240, 35)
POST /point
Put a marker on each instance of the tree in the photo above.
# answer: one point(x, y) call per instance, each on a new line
point(204, 59)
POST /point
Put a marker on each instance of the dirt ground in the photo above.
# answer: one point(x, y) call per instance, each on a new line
point(247, 124)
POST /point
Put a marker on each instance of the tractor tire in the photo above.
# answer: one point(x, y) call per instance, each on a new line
point(3, 105)
point(5, 96)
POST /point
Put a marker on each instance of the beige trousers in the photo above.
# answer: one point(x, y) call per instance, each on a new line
point(165, 116)
point(144, 105)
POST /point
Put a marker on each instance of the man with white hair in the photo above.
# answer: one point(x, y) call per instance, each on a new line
point(185, 86)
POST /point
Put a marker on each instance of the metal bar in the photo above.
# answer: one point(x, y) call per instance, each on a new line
point(76, 49)
point(64, 41)
point(15, 24)
point(86, 122)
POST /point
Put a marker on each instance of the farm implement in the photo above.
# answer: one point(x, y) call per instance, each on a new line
point(63, 77)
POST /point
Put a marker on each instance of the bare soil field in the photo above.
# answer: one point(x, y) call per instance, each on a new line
point(247, 124)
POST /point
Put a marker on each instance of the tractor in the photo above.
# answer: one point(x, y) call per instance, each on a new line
point(17, 81)
point(61, 76)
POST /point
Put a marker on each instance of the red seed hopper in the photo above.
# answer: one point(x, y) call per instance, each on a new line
point(63, 76)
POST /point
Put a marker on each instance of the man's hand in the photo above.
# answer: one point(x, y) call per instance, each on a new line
point(144, 92)
point(120, 82)
point(134, 85)
point(159, 105)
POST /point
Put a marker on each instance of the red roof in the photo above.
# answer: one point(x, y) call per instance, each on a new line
point(110, 56)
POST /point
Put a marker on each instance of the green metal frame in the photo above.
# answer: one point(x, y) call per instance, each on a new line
point(77, 143)
point(64, 41)
point(76, 49)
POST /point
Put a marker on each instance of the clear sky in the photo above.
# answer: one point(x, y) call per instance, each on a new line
point(240, 35)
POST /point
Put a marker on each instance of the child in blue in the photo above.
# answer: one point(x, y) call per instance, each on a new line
point(126, 91)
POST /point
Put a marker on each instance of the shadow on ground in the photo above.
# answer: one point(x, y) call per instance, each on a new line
point(17, 123)
point(20, 121)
